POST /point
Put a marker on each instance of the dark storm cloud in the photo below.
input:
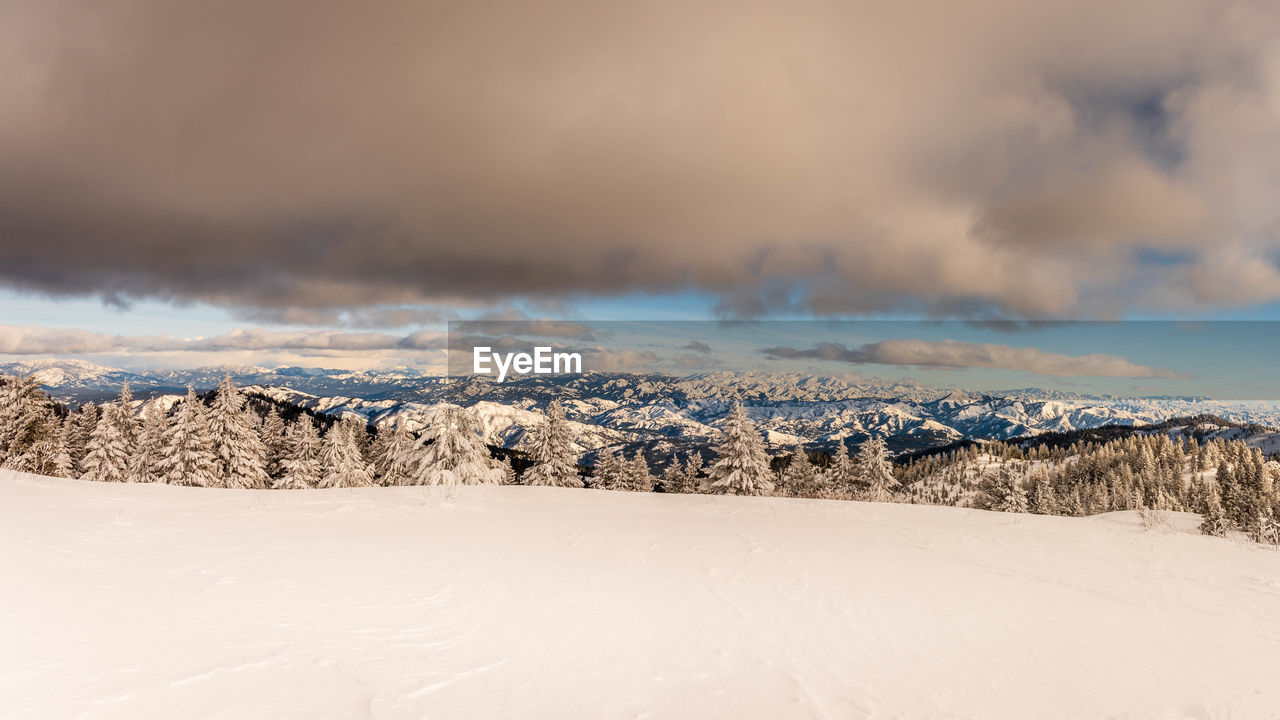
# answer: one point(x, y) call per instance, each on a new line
point(982, 158)
point(953, 354)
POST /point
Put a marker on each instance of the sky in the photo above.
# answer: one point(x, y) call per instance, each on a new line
point(331, 183)
point(1221, 360)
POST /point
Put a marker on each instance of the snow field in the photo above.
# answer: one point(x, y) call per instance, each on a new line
point(128, 601)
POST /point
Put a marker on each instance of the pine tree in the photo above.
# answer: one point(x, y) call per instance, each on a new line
point(551, 450)
point(47, 455)
point(300, 467)
point(109, 451)
point(672, 479)
point(741, 466)
point(145, 463)
point(275, 442)
point(842, 475)
point(342, 463)
point(1040, 497)
point(610, 471)
point(689, 480)
point(509, 476)
point(130, 425)
point(456, 453)
point(237, 447)
point(397, 456)
point(188, 457)
point(1213, 522)
point(24, 416)
point(637, 476)
point(59, 459)
point(875, 471)
point(79, 432)
point(800, 479)
point(360, 435)
point(1075, 506)
point(1013, 498)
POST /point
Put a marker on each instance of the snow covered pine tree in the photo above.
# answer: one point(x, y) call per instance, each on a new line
point(610, 471)
point(551, 449)
point(301, 463)
point(187, 457)
point(237, 448)
point(874, 470)
point(112, 443)
point(144, 464)
point(457, 454)
point(341, 459)
point(741, 466)
point(396, 456)
point(800, 479)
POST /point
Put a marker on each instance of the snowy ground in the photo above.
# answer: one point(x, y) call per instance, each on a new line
point(132, 601)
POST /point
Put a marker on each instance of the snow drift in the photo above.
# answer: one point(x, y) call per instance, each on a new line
point(127, 601)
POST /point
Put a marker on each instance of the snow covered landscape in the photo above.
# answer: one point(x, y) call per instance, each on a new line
point(662, 414)
point(134, 600)
point(640, 360)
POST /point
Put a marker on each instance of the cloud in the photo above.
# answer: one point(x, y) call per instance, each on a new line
point(698, 347)
point(952, 354)
point(528, 328)
point(955, 159)
point(367, 317)
point(32, 340)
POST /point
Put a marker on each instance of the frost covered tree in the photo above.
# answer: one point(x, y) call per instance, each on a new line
point(509, 476)
point(1213, 522)
point(1040, 497)
point(47, 455)
point(842, 475)
point(237, 448)
point(1012, 496)
point(24, 415)
point(551, 449)
point(800, 478)
point(300, 467)
point(272, 432)
point(81, 428)
point(741, 466)
point(130, 425)
point(396, 456)
point(145, 463)
point(671, 479)
point(455, 453)
point(637, 476)
point(187, 458)
point(112, 443)
point(342, 462)
point(58, 460)
point(689, 480)
point(875, 472)
point(610, 471)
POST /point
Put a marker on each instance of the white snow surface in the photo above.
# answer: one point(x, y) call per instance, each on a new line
point(132, 601)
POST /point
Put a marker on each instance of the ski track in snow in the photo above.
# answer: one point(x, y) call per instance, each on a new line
point(128, 601)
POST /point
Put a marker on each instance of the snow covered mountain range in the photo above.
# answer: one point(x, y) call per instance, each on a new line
point(665, 414)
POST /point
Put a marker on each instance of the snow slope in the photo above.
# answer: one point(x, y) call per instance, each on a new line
point(128, 601)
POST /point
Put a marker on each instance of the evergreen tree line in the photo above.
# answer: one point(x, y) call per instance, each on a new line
point(226, 444)
point(1227, 482)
